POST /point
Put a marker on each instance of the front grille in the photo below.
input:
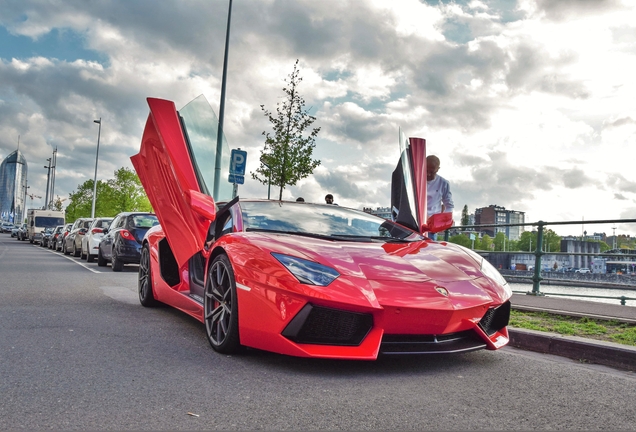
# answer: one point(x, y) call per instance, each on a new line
point(326, 326)
point(431, 344)
point(495, 319)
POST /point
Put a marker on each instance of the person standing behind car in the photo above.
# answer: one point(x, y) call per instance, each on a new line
point(439, 198)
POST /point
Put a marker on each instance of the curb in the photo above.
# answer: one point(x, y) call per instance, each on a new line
point(577, 348)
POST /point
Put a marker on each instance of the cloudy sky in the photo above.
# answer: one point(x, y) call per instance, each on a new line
point(529, 104)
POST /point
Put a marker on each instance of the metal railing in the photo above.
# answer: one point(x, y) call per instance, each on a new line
point(623, 299)
point(538, 253)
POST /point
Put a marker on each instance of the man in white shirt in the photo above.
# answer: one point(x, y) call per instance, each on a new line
point(439, 198)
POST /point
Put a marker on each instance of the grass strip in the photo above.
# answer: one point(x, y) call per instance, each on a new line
point(605, 330)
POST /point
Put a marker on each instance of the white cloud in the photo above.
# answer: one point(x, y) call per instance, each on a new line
point(529, 107)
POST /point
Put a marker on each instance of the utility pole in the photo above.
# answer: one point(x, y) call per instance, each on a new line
point(53, 165)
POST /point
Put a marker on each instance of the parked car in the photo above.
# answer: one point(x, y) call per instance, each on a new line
point(15, 229)
point(73, 241)
point(91, 240)
point(310, 280)
point(61, 240)
point(6, 227)
point(23, 232)
point(121, 243)
point(46, 236)
point(584, 270)
point(53, 240)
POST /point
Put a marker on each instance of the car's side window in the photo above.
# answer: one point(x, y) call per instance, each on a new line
point(115, 222)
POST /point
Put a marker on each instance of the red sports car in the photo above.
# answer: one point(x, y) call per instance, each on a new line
point(311, 280)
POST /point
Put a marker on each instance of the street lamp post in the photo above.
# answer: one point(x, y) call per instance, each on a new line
point(219, 136)
point(99, 132)
point(48, 180)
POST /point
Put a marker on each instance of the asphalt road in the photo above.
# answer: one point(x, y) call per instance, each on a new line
point(79, 352)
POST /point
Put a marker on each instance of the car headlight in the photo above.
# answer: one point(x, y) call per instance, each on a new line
point(488, 269)
point(308, 272)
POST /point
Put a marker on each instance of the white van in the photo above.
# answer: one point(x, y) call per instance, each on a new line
point(39, 220)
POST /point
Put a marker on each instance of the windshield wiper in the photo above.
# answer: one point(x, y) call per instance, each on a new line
point(298, 233)
point(366, 238)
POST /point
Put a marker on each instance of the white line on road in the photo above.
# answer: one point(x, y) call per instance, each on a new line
point(70, 259)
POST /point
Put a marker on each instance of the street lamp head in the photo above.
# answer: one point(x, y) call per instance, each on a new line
point(98, 121)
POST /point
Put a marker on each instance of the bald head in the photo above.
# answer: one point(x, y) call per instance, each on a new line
point(432, 166)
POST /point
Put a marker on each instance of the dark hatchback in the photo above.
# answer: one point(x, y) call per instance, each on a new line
point(121, 243)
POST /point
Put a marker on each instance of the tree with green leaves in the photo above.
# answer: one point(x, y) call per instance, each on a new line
point(123, 193)
point(56, 204)
point(500, 241)
point(128, 193)
point(465, 218)
point(461, 239)
point(287, 156)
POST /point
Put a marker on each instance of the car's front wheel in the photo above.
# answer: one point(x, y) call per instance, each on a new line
point(221, 307)
point(144, 283)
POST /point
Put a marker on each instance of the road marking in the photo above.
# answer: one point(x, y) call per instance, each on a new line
point(72, 259)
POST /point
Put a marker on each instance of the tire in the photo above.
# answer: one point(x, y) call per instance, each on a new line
point(82, 254)
point(144, 281)
point(116, 264)
point(64, 250)
point(90, 258)
point(221, 307)
point(76, 253)
point(101, 261)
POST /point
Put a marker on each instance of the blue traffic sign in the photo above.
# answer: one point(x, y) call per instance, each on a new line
point(237, 162)
point(234, 178)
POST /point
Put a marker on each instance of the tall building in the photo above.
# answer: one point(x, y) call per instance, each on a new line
point(495, 215)
point(13, 186)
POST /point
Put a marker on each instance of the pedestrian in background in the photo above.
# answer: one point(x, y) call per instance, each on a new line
point(439, 198)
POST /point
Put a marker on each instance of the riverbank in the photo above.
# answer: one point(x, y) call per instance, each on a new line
point(609, 281)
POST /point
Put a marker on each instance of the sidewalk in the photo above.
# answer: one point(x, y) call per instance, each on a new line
point(588, 350)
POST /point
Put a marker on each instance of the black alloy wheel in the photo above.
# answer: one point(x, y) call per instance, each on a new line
point(221, 307)
point(144, 283)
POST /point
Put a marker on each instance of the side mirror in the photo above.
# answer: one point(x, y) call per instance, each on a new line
point(104, 231)
point(438, 222)
point(202, 204)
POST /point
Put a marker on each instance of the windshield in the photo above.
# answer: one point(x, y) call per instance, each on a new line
point(200, 127)
point(144, 221)
point(48, 221)
point(320, 220)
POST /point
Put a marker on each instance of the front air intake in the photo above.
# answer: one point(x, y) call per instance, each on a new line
point(326, 326)
point(495, 319)
point(431, 344)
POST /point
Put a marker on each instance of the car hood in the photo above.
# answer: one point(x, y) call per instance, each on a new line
point(389, 267)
